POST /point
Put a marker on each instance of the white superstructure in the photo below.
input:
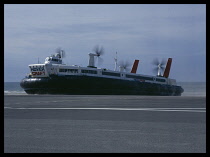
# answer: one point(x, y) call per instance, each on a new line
point(53, 66)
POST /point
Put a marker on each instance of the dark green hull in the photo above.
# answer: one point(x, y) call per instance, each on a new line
point(88, 85)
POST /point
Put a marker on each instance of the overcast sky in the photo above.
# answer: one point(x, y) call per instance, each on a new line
point(137, 31)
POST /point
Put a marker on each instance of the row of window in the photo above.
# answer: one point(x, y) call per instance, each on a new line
point(76, 71)
point(89, 71)
point(111, 74)
point(145, 78)
point(69, 70)
point(140, 77)
point(160, 80)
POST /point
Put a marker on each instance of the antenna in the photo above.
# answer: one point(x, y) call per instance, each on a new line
point(115, 59)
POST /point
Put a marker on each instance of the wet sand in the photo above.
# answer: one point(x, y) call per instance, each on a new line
point(104, 124)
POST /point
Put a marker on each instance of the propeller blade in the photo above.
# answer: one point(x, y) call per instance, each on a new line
point(159, 66)
point(101, 52)
point(155, 61)
point(121, 63)
point(163, 62)
point(58, 50)
point(100, 60)
point(155, 70)
point(127, 69)
point(96, 49)
point(125, 64)
point(162, 67)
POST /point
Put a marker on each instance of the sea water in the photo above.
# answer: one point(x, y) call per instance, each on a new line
point(193, 88)
point(12, 88)
point(190, 88)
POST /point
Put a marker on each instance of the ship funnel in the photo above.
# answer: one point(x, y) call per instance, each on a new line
point(135, 66)
point(167, 69)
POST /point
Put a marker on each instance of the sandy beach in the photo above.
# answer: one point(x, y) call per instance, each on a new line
point(104, 124)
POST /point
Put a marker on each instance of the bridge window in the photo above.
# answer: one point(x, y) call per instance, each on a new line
point(62, 70)
point(69, 70)
point(56, 60)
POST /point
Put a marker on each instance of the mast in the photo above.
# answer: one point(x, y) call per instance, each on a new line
point(115, 59)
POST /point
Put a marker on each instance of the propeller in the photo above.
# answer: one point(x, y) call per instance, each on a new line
point(124, 65)
point(98, 52)
point(61, 53)
point(160, 66)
